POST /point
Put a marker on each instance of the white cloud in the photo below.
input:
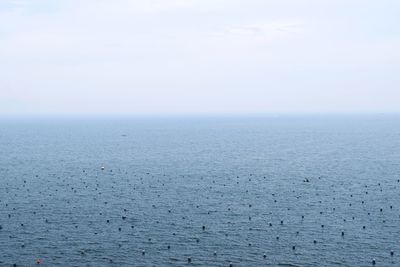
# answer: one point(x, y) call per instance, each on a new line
point(196, 56)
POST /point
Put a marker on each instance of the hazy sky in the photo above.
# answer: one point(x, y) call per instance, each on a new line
point(199, 56)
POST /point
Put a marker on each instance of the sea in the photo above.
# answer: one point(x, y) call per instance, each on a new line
point(277, 190)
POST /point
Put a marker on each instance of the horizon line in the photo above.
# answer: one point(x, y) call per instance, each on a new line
point(196, 115)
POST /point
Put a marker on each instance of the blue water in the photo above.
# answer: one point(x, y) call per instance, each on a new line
point(166, 178)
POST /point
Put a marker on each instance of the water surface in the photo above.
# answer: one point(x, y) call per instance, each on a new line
point(243, 179)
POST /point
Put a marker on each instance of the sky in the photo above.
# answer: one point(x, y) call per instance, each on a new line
point(199, 56)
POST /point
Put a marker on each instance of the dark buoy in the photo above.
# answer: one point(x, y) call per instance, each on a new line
point(143, 252)
point(294, 247)
point(391, 253)
point(189, 260)
point(373, 262)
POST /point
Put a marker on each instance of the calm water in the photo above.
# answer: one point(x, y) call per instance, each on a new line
point(243, 179)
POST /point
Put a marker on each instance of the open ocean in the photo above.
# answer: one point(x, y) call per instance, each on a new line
point(246, 191)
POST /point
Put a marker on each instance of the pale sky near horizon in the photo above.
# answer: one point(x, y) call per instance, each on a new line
point(199, 56)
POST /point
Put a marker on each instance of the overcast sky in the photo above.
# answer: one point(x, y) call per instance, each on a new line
point(199, 56)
